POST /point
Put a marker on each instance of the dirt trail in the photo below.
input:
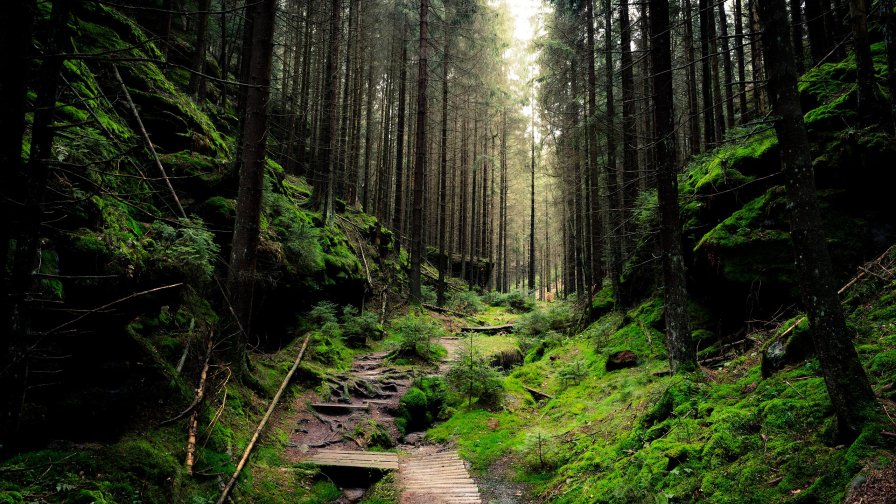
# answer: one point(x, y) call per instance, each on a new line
point(370, 391)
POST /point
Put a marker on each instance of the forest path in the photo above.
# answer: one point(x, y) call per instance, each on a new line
point(429, 476)
point(362, 403)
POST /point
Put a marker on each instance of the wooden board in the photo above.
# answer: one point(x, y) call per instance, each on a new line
point(344, 458)
point(436, 478)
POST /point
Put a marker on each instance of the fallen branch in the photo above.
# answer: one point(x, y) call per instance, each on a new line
point(236, 474)
point(487, 329)
point(149, 144)
point(862, 271)
point(113, 303)
point(194, 418)
point(183, 358)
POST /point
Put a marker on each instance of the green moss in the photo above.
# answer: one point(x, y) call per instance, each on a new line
point(749, 225)
point(482, 437)
point(727, 167)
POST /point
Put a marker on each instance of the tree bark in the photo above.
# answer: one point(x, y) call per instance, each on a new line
point(889, 26)
point(16, 31)
point(420, 156)
point(444, 263)
point(858, 15)
point(532, 208)
point(741, 70)
point(244, 250)
point(819, 38)
point(694, 145)
point(726, 66)
point(324, 187)
point(630, 167)
point(682, 354)
point(846, 382)
point(709, 124)
point(197, 80)
point(796, 16)
point(613, 201)
point(398, 211)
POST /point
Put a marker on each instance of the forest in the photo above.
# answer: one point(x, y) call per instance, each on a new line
point(447, 251)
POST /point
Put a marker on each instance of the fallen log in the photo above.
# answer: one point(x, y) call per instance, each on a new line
point(487, 329)
point(538, 394)
point(236, 474)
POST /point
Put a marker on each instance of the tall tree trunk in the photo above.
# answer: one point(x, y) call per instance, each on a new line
point(368, 139)
point(613, 201)
point(741, 70)
point(682, 355)
point(420, 156)
point(342, 140)
point(324, 189)
point(718, 100)
point(197, 80)
point(819, 38)
point(301, 150)
point(693, 105)
point(532, 210)
point(889, 26)
point(596, 193)
point(385, 173)
point(726, 65)
point(796, 17)
point(223, 56)
point(858, 15)
point(505, 286)
point(709, 124)
point(462, 232)
point(398, 211)
point(846, 382)
point(443, 180)
point(17, 29)
point(244, 250)
point(756, 56)
point(630, 167)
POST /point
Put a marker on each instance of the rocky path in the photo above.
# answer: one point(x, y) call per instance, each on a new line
point(359, 414)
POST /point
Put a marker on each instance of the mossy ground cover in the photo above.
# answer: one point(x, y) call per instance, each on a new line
point(640, 435)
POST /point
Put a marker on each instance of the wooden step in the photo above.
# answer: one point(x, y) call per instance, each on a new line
point(360, 459)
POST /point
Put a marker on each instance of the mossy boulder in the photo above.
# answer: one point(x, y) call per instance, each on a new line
point(785, 349)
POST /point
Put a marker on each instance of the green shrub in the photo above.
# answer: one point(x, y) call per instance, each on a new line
point(466, 301)
point(516, 300)
point(322, 313)
point(190, 248)
point(358, 328)
point(414, 337)
point(473, 378)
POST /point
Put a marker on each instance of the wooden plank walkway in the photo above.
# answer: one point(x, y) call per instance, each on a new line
point(436, 478)
point(345, 458)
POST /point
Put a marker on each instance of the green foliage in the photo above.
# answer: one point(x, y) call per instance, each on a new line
point(481, 436)
point(322, 313)
point(422, 404)
point(727, 167)
point(190, 247)
point(412, 337)
point(465, 301)
point(516, 300)
point(473, 378)
point(358, 328)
